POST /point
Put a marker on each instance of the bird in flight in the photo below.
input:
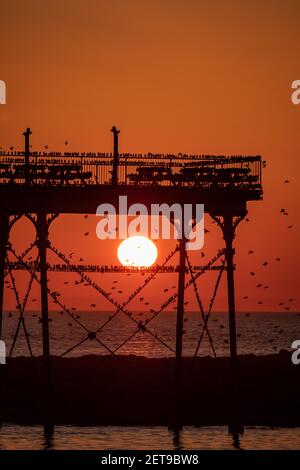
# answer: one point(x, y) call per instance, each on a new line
point(283, 211)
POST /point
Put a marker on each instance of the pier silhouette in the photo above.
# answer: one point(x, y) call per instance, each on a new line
point(43, 185)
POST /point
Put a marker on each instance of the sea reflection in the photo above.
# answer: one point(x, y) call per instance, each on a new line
point(17, 437)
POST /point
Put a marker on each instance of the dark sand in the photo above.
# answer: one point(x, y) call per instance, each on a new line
point(92, 390)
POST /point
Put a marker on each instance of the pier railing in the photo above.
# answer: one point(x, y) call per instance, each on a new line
point(74, 168)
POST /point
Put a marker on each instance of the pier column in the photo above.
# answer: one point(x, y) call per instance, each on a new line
point(4, 237)
point(42, 234)
point(42, 227)
point(235, 405)
point(228, 233)
point(116, 132)
point(176, 417)
point(180, 307)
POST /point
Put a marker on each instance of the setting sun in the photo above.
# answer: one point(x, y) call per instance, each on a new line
point(137, 251)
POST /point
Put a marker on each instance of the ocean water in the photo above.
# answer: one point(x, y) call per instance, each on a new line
point(14, 437)
point(258, 333)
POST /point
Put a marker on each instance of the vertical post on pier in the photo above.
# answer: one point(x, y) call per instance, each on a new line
point(27, 134)
point(177, 412)
point(228, 233)
point(4, 237)
point(43, 243)
point(116, 132)
point(235, 427)
point(180, 308)
point(42, 234)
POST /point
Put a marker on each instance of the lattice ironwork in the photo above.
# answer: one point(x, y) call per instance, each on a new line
point(32, 269)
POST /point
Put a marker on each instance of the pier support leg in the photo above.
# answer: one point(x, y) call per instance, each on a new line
point(235, 427)
point(179, 335)
point(180, 307)
point(42, 226)
point(4, 236)
point(42, 233)
point(228, 232)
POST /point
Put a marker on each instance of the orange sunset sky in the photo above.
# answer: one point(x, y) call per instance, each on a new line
point(188, 76)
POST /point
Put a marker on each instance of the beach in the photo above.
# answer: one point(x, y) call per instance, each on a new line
point(138, 391)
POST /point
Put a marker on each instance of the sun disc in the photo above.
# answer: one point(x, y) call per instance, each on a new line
point(137, 251)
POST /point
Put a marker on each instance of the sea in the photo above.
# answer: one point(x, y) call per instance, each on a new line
point(258, 333)
point(99, 438)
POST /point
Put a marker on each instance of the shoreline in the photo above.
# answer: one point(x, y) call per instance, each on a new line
point(136, 391)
